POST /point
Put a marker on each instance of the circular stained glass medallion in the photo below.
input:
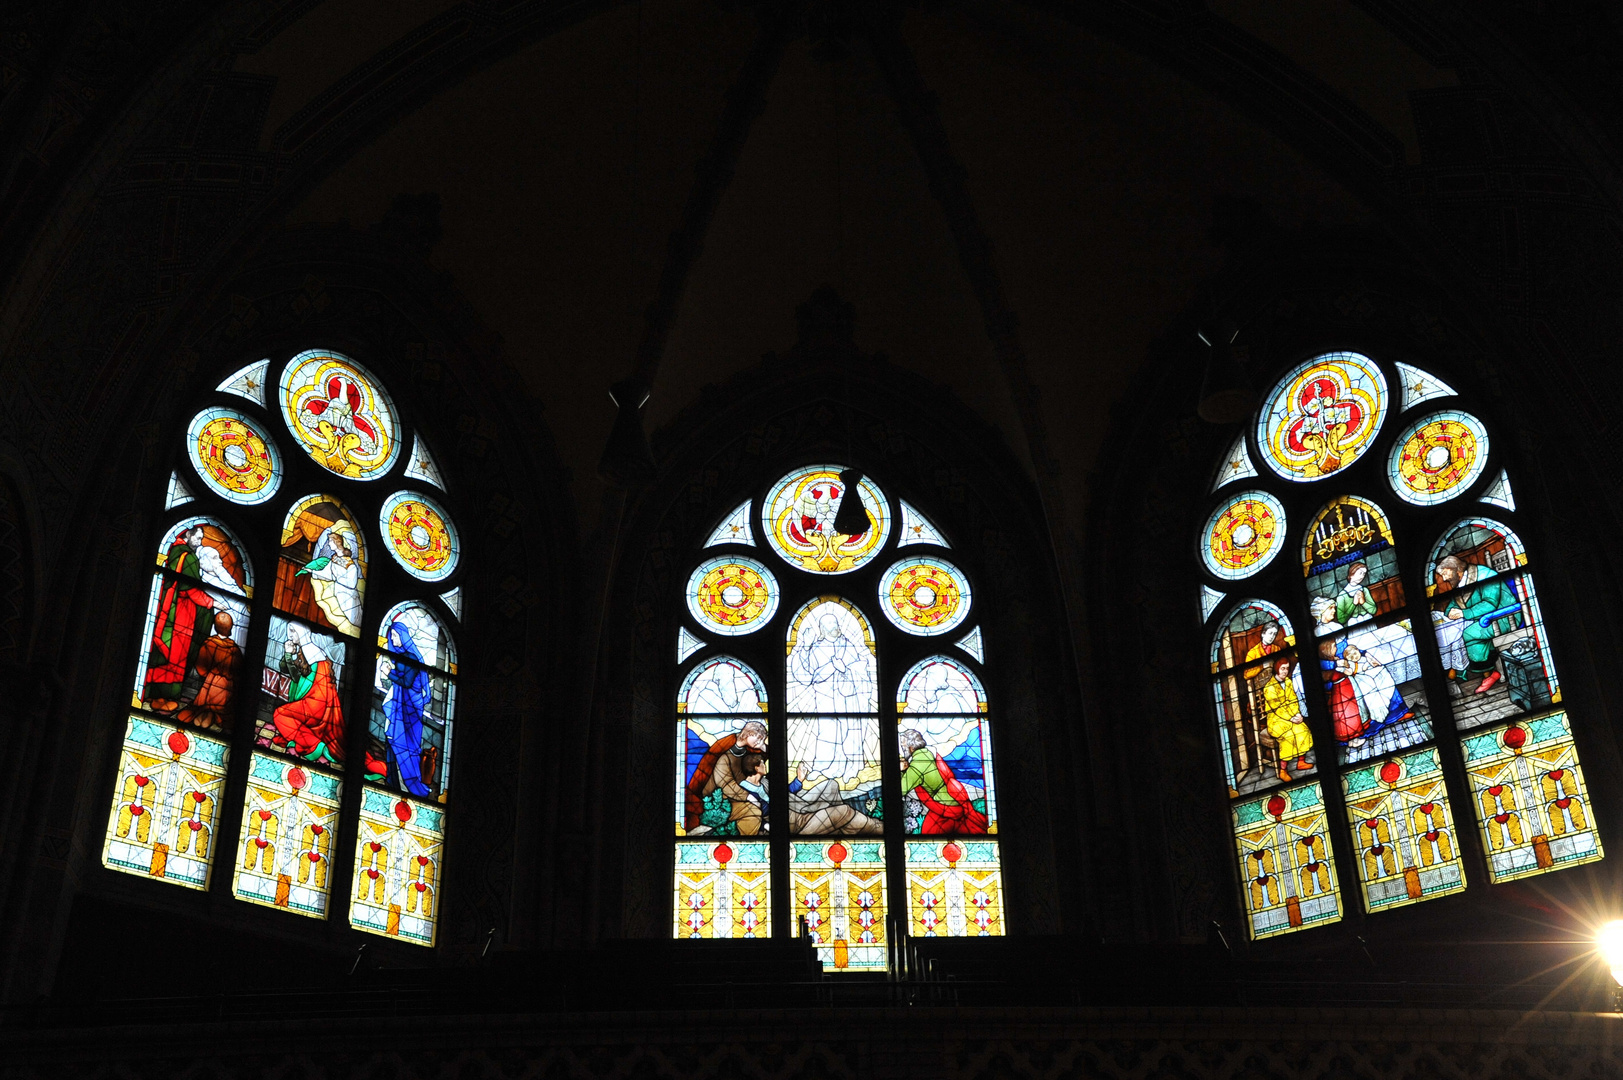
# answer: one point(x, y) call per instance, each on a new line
point(1438, 457)
point(233, 456)
point(1322, 416)
point(798, 519)
point(732, 595)
point(924, 596)
point(1243, 535)
point(339, 413)
point(420, 534)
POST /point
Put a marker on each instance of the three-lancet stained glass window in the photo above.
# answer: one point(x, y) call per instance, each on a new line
point(826, 781)
point(350, 652)
point(1420, 697)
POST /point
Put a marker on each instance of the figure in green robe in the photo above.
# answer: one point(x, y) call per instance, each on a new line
point(948, 807)
point(1477, 606)
point(1355, 603)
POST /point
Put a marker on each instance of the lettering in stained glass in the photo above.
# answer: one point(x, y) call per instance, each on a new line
point(1287, 868)
point(925, 596)
point(1236, 464)
point(233, 456)
point(839, 895)
point(398, 853)
point(1403, 831)
point(165, 803)
point(732, 595)
point(1417, 386)
point(734, 529)
point(1373, 687)
point(247, 382)
point(289, 822)
point(955, 888)
point(723, 889)
point(798, 519)
point(916, 528)
point(420, 535)
point(1531, 800)
point(1243, 535)
point(321, 575)
point(1350, 564)
point(1322, 416)
point(421, 464)
point(340, 414)
point(178, 494)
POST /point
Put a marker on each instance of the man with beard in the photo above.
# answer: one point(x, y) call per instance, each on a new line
point(1465, 617)
point(730, 761)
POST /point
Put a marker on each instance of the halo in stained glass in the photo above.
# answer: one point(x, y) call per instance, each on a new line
point(798, 519)
point(340, 414)
point(732, 595)
point(421, 537)
point(722, 685)
point(430, 642)
point(1437, 457)
point(1243, 535)
point(924, 596)
point(1322, 416)
point(234, 456)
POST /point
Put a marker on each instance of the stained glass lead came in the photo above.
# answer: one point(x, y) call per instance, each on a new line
point(340, 414)
point(734, 529)
point(1243, 535)
point(798, 519)
point(916, 528)
point(247, 382)
point(420, 535)
point(1322, 416)
point(321, 575)
point(1437, 457)
point(233, 456)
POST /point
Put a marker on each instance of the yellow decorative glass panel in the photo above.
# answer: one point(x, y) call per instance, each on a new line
point(1530, 798)
point(723, 890)
point(1286, 867)
point(1407, 848)
point(954, 888)
point(289, 824)
point(165, 804)
point(838, 891)
point(396, 891)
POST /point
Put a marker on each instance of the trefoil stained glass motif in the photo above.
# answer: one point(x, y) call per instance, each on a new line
point(798, 519)
point(340, 415)
point(1322, 416)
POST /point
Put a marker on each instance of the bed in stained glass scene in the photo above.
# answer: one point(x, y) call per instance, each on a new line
point(398, 849)
point(165, 803)
point(1531, 801)
point(321, 575)
point(838, 891)
point(723, 889)
point(1374, 691)
point(1350, 565)
point(1287, 867)
point(954, 888)
point(1261, 711)
point(289, 824)
point(1322, 416)
point(1403, 830)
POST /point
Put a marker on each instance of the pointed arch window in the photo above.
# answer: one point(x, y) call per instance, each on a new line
point(1411, 738)
point(833, 739)
point(298, 736)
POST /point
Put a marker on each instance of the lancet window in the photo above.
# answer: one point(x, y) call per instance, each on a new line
point(289, 730)
point(1389, 718)
point(833, 750)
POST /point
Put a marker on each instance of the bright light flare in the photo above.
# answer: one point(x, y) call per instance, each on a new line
point(1609, 942)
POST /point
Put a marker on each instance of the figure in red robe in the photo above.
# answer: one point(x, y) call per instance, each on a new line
point(183, 610)
point(311, 724)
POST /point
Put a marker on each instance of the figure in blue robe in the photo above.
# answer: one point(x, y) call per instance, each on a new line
point(403, 710)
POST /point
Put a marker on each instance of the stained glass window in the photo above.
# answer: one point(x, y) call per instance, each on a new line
point(809, 768)
point(1381, 809)
point(1236, 465)
point(198, 696)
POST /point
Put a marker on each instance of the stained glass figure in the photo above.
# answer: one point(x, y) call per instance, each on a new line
point(303, 684)
point(686, 644)
point(735, 529)
point(398, 852)
point(321, 576)
point(732, 595)
point(831, 660)
point(834, 776)
point(924, 596)
point(1372, 684)
point(1471, 551)
point(1262, 721)
point(954, 888)
point(947, 787)
point(1407, 849)
point(1287, 868)
point(916, 528)
point(233, 456)
point(721, 783)
point(722, 685)
point(453, 601)
point(248, 382)
point(940, 684)
point(420, 535)
point(723, 890)
point(1418, 386)
point(1236, 464)
point(1243, 535)
point(289, 826)
point(1438, 457)
point(1209, 599)
point(972, 644)
point(838, 890)
point(413, 702)
point(340, 414)
point(165, 804)
point(178, 494)
point(1490, 635)
point(1531, 801)
point(1322, 416)
point(1350, 564)
point(421, 465)
point(1251, 630)
point(798, 519)
point(1498, 493)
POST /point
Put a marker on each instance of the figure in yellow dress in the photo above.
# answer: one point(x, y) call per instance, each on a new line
point(1286, 724)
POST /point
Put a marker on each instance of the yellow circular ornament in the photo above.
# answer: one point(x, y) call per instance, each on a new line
point(925, 596)
point(1438, 457)
point(732, 596)
point(421, 536)
point(1242, 535)
point(233, 457)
